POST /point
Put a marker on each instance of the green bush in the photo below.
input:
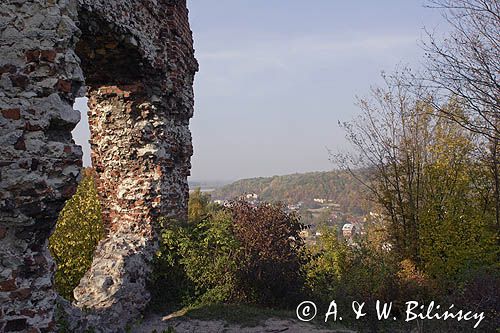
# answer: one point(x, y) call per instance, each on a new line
point(362, 271)
point(195, 261)
point(209, 257)
point(79, 228)
point(169, 284)
point(327, 266)
point(237, 254)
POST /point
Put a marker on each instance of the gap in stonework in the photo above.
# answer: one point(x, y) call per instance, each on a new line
point(79, 226)
point(81, 133)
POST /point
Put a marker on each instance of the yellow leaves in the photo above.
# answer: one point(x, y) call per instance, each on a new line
point(78, 230)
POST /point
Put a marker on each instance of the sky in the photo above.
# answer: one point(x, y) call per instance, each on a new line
point(276, 76)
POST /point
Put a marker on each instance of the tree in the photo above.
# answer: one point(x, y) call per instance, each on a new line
point(466, 66)
point(467, 63)
point(390, 139)
point(456, 232)
point(209, 251)
point(327, 267)
point(78, 230)
point(198, 205)
point(427, 177)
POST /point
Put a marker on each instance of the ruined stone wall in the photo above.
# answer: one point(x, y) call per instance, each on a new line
point(39, 162)
point(138, 62)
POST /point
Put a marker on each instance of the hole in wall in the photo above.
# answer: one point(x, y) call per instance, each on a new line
point(80, 222)
point(81, 133)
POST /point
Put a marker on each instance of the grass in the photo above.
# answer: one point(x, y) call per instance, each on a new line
point(241, 314)
point(245, 315)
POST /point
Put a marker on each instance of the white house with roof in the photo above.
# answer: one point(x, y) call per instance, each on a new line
point(348, 230)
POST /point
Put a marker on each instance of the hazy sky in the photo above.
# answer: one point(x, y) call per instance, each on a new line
point(277, 75)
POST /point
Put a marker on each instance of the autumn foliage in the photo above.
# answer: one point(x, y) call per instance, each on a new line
point(78, 230)
point(240, 253)
point(270, 259)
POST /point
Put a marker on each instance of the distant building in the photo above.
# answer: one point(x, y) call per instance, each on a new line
point(250, 196)
point(336, 207)
point(319, 200)
point(348, 230)
point(224, 203)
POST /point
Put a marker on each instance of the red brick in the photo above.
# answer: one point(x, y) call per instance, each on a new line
point(20, 144)
point(16, 325)
point(68, 190)
point(31, 128)
point(64, 86)
point(14, 114)
point(8, 69)
point(8, 285)
point(3, 232)
point(48, 55)
point(21, 294)
point(28, 313)
point(32, 55)
point(18, 80)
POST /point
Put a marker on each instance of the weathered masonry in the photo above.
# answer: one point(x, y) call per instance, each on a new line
point(135, 62)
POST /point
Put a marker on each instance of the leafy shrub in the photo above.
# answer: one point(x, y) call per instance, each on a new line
point(199, 206)
point(79, 228)
point(327, 266)
point(270, 266)
point(169, 284)
point(237, 254)
point(195, 261)
point(356, 272)
point(209, 258)
point(414, 284)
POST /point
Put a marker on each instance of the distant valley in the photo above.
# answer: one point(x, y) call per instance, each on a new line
point(338, 187)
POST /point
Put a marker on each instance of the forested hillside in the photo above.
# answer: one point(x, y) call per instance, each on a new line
point(338, 186)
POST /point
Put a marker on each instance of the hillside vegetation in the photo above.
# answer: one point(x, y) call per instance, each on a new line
point(338, 186)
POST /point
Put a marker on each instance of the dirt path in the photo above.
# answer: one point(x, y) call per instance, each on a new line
point(184, 325)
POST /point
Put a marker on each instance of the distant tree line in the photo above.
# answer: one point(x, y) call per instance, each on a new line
point(339, 186)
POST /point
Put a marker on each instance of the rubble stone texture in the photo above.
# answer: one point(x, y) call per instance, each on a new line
point(136, 61)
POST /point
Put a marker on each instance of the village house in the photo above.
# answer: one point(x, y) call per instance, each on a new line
point(348, 230)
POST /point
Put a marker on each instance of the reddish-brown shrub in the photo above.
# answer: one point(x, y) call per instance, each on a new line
point(270, 262)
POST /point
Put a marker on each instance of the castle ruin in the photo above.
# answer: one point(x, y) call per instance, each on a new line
point(135, 62)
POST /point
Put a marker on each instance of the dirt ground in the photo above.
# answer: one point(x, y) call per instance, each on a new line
point(161, 324)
